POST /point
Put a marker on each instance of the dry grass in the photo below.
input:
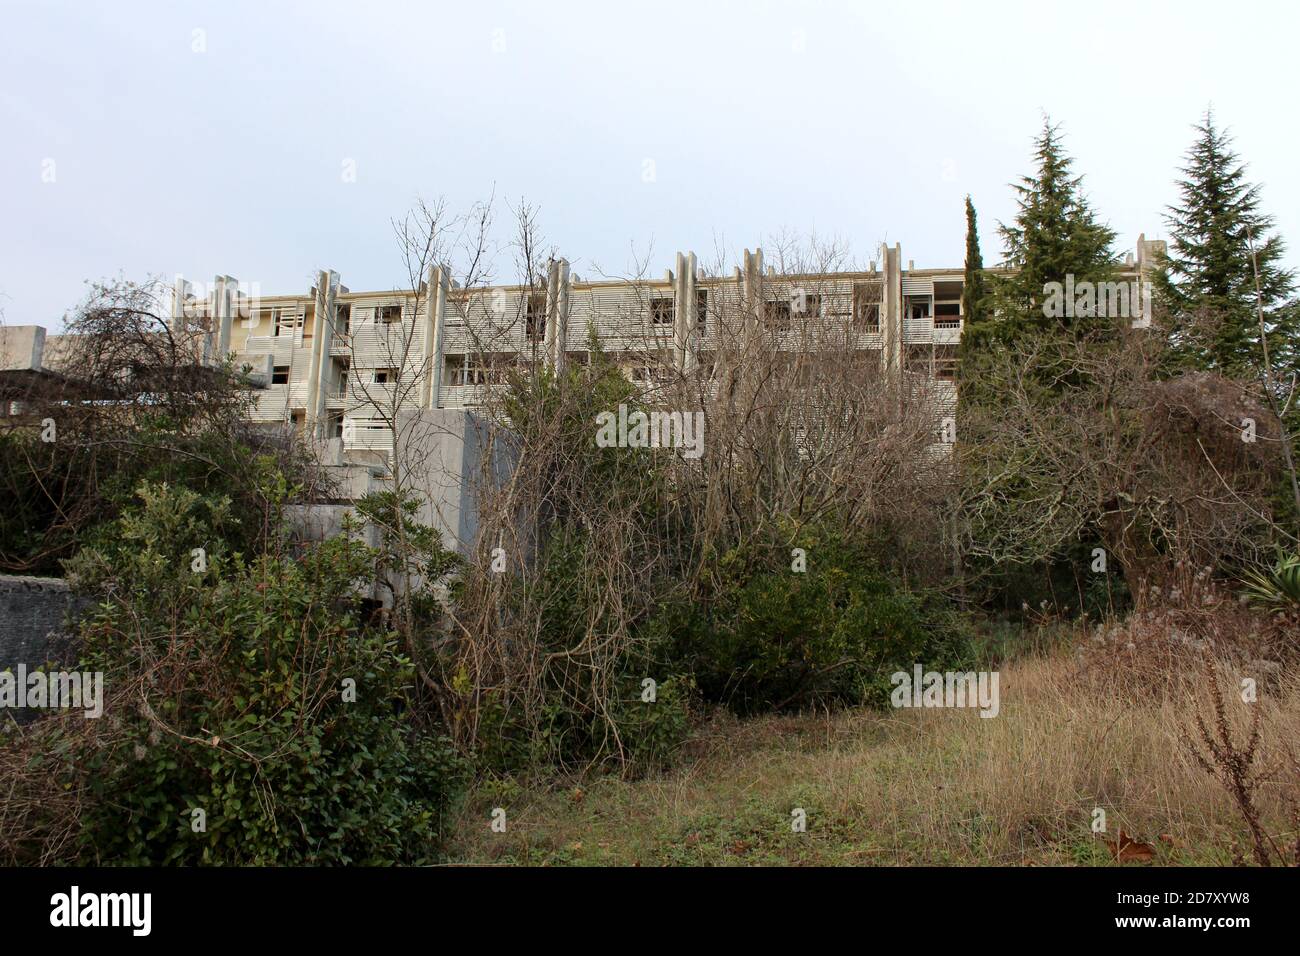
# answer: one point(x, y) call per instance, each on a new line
point(923, 786)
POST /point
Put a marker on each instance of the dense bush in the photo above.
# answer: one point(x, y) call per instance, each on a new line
point(250, 689)
point(64, 495)
point(775, 638)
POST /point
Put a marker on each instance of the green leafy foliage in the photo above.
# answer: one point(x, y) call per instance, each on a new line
point(251, 691)
point(774, 638)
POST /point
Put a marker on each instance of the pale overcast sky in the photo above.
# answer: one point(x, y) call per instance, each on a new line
point(173, 151)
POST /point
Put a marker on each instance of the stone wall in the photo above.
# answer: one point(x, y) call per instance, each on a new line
point(33, 615)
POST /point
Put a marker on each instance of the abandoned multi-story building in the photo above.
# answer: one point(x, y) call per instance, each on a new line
point(341, 367)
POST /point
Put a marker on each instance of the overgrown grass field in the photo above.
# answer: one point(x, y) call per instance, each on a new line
point(917, 786)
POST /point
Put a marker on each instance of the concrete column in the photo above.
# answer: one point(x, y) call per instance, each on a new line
point(215, 300)
point(320, 297)
point(552, 295)
point(692, 313)
point(753, 287)
point(557, 313)
point(686, 316)
point(229, 292)
point(891, 318)
point(437, 284)
point(327, 284)
point(562, 316)
point(180, 292)
point(679, 315)
point(325, 331)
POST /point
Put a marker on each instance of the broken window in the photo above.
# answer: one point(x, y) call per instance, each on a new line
point(535, 316)
point(777, 314)
point(661, 311)
point(866, 306)
point(479, 369)
point(918, 309)
point(808, 304)
point(285, 321)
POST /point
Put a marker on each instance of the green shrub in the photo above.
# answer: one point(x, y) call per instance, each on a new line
point(1277, 587)
point(772, 638)
point(231, 691)
point(652, 730)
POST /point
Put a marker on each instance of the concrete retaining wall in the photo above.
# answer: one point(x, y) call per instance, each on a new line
point(33, 616)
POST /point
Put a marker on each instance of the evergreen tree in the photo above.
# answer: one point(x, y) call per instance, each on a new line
point(973, 291)
point(1207, 281)
point(1056, 237)
point(977, 330)
point(1055, 234)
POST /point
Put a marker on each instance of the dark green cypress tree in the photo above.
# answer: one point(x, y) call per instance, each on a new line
point(977, 330)
point(1207, 281)
point(1055, 234)
point(973, 290)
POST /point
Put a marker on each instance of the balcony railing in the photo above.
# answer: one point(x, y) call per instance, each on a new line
point(361, 434)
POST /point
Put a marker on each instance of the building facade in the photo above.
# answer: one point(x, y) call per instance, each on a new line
point(340, 366)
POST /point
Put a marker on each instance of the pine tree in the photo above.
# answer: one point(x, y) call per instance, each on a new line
point(1055, 234)
point(1207, 281)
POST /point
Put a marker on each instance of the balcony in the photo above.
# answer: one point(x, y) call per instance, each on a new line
point(918, 331)
point(947, 329)
point(467, 396)
point(367, 434)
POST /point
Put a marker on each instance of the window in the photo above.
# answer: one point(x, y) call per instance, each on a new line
point(866, 306)
point(343, 320)
point(661, 311)
point(478, 370)
point(285, 321)
point(811, 304)
point(345, 368)
point(280, 375)
point(777, 314)
point(335, 427)
point(701, 307)
point(384, 376)
point(389, 313)
point(535, 316)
